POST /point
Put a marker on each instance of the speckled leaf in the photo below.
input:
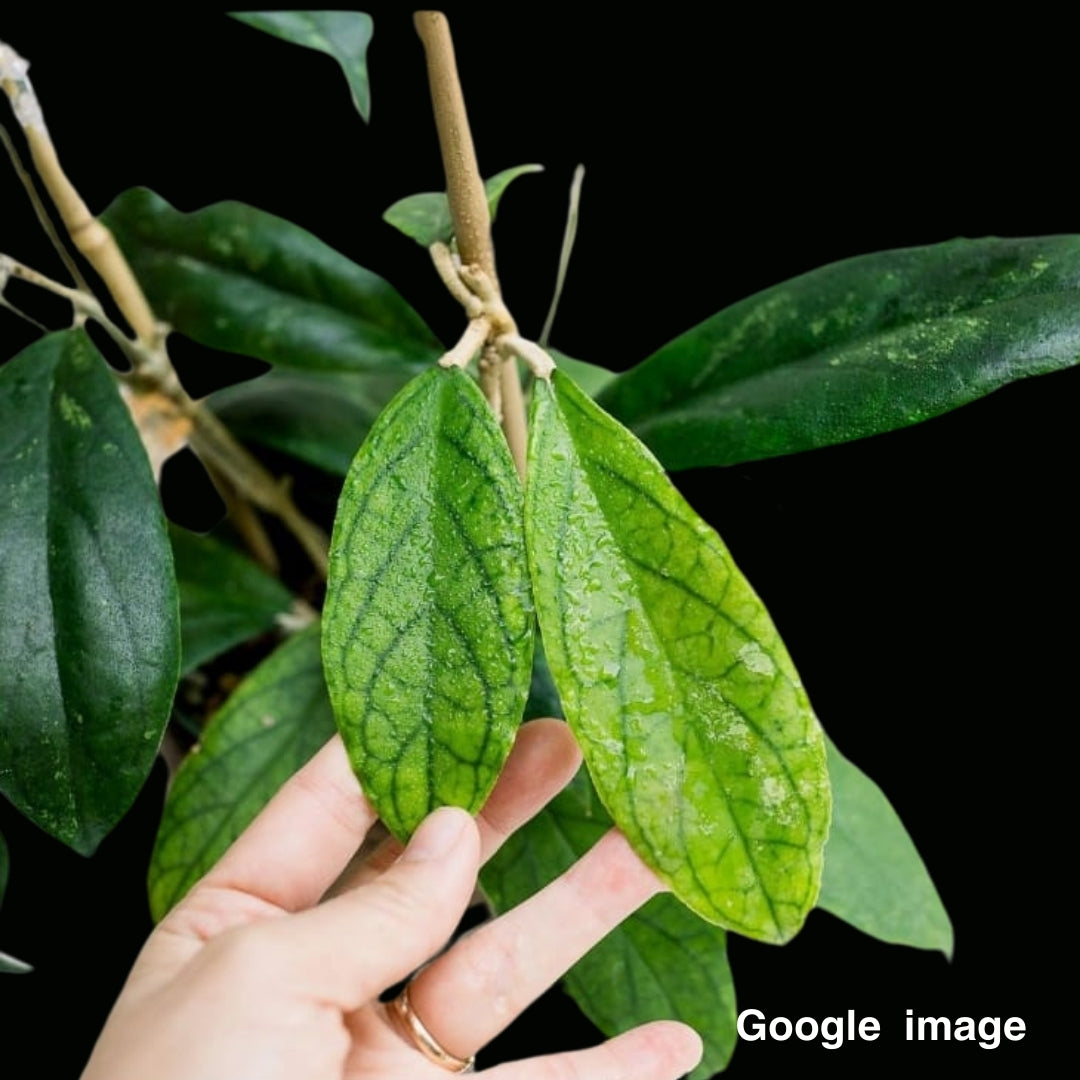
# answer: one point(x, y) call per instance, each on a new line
point(855, 348)
point(662, 963)
point(225, 598)
point(425, 217)
point(874, 876)
point(236, 278)
point(344, 35)
point(89, 640)
point(320, 417)
point(693, 722)
point(428, 623)
point(272, 724)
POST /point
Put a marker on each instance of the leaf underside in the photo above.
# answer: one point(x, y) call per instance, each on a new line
point(874, 876)
point(662, 963)
point(273, 723)
point(428, 624)
point(90, 634)
point(344, 35)
point(694, 725)
point(236, 278)
point(856, 348)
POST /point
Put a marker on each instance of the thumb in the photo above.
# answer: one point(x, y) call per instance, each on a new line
point(354, 946)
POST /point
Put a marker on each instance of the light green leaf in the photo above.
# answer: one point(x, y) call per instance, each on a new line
point(90, 635)
point(225, 599)
point(274, 722)
point(662, 963)
point(320, 417)
point(426, 217)
point(236, 278)
point(590, 377)
point(344, 35)
point(874, 876)
point(428, 623)
point(692, 720)
point(859, 347)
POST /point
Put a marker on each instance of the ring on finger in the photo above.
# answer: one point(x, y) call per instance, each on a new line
point(412, 1027)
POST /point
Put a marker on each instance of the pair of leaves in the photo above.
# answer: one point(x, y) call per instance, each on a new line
point(691, 719)
point(90, 635)
point(426, 219)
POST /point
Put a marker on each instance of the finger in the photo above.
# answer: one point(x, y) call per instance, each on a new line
point(473, 991)
point(352, 947)
point(300, 842)
point(542, 762)
point(662, 1050)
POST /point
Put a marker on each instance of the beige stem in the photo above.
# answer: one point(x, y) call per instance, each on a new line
point(468, 205)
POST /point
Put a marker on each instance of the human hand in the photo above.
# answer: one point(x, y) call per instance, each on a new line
point(251, 976)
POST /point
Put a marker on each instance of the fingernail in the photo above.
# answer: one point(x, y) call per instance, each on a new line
point(437, 835)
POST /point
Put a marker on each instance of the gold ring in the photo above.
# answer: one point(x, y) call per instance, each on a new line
point(411, 1025)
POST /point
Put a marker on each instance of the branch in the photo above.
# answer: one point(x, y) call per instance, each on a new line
point(469, 208)
point(88, 235)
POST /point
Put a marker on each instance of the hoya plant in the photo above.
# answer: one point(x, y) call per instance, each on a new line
point(432, 535)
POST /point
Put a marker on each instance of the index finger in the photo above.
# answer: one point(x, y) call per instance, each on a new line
point(303, 838)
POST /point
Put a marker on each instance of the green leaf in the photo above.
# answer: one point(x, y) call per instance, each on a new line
point(236, 278)
point(90, 633)
point(428, 624)
point(874, 877)
point(859, 347)
point(274, 722)
point(692, 719)
point(224, 597)
point(426, 217)
point(8, 964)
point(663, 963)
point(319, 417)
point(590, 377)
point(344, 35)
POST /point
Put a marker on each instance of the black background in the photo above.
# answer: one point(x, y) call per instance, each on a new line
point(923, 580)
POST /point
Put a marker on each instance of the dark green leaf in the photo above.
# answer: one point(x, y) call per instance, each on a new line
point(319, 417)
point(236, 278)
point(856, 348)
point(590, 377)
point(224, 597)
point(428, 624)
point(663, 963)
point(344, 35)
point(90, 633)
point(874, 877)
point(693, 722)
point(276, 720)
point(425, 218)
